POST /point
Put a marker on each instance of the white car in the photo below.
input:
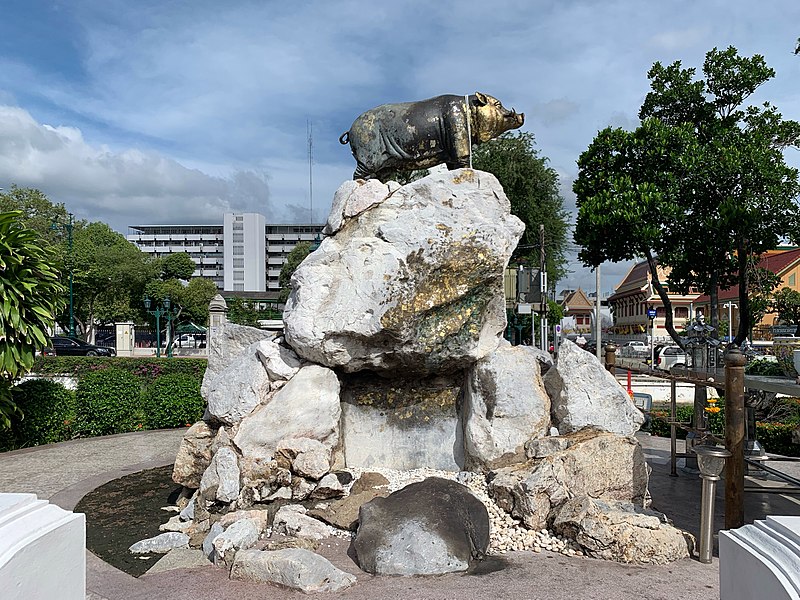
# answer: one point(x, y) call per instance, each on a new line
point(634, 349)
point(667, 357)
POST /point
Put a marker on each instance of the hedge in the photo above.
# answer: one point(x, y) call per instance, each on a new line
point(146, 368)
point(115, 395)
point(173, 401)
point(108, 401)
point(48, 415)
point(776, 438)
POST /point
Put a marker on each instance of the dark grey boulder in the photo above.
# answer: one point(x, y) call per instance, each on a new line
point(427, 528)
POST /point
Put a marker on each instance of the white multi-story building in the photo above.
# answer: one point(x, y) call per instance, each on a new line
point(244, 254)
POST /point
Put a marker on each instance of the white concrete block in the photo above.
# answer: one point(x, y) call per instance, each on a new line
point(42, 550)
point(761, 560)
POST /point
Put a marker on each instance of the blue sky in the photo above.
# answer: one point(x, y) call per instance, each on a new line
point(177, 111)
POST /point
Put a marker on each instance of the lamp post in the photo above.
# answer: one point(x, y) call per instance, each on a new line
point(730, 305)
point(710, 461)
point(68, 228)
point(162, 309)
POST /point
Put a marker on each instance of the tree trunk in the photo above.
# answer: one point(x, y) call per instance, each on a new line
point(713, 304)
point(669, 324)
point(744, 299)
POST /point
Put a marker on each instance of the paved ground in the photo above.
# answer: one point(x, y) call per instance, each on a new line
point(64, 472)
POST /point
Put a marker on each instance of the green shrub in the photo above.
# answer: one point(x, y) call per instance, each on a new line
point(173, 401)
point(145, 368)
point(777, 438)
point(764, 368)
point(48, 410)
point(108, 401)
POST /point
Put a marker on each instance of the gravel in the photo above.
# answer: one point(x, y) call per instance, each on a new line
point(506, 534)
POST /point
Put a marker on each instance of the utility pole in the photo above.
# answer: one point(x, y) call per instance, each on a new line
point(598, 342)
point(543, 279)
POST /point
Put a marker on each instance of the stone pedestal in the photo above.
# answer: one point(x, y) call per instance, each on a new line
point(42, 550)
point(760, 560)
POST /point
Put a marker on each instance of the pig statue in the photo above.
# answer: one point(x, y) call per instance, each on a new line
point(418, 135)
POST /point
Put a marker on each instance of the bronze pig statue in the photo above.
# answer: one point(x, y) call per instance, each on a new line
point(418, 135)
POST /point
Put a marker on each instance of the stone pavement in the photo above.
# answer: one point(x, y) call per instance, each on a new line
point(64, 472)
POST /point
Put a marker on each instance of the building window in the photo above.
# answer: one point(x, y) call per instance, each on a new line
point(681, 312)
point(238, 263)
point(238, 287)
point(238, 275)
point(238, 226)
point(238, 250)
point(238, 238)
point(660, 312)
point(791, 280)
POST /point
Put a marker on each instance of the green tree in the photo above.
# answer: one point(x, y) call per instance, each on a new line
point(195, 299)
point(293, 260)
point(38, 212)
point(245, 312)
point(762, 283)
point(701, 185)
point(532, 188)
point(109, 276)
point(177, 266)
point(786, 303)
point(30, 294)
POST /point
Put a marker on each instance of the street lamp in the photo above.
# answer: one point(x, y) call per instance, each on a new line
point(730, 305)
point(710, 461)
point(162, 309)
point(68, 228)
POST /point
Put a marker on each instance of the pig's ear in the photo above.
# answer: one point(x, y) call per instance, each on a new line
point(481, 99)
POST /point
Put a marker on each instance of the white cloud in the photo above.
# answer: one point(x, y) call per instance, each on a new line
point(121, 188)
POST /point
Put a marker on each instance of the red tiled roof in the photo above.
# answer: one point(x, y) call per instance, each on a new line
point(775, 262)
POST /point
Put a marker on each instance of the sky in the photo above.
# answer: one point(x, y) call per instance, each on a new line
point(175, 112)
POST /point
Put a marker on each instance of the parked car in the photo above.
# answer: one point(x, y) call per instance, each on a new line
point(635, 349)
point(65, 346)
point(667, 356)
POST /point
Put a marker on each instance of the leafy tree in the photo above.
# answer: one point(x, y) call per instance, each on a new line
point(786, 303)
point(30, 294)
point(109, 276)
point(762, 283)
point(245, 312)
point(195, 299)
point(701, 185)
point(295, 257)
point(38, 212)
point(532, 188)
point(177, 266)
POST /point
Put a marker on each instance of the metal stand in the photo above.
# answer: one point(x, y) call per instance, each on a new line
point(711, 461)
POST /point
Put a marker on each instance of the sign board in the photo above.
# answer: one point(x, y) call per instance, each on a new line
point(558, 328)
point(524, 309)
point(783, 330)
point(529, 286)
point(651, 313)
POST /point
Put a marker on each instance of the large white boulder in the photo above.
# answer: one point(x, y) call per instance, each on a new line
point(238, 388)
point(584, 394)
point(621, 531)
point(306, 407)
point(588, 463)
point(294, 568)
point(505, 405)
point(227, 344)
point(414, 282)
point(221, 480)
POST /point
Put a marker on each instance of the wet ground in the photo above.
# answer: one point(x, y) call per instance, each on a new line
point(124, 511)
